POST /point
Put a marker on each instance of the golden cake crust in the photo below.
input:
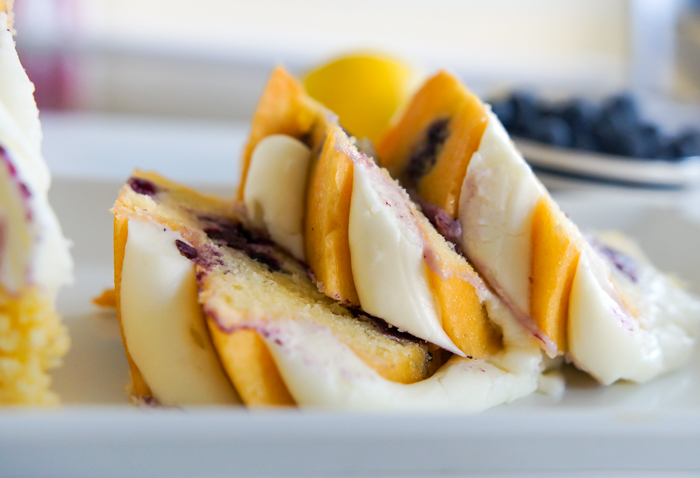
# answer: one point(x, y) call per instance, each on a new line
point(326, 237)
point(284, 109)
point(444, 112)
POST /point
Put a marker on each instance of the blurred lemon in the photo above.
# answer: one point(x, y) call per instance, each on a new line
point(363, 90)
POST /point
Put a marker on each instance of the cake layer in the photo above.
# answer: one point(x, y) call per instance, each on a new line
point(163, 322)
point(408, 272)
point(429, 146)
point(387, 254)
point(246, 284)
point(280, 341)
point(499, 198)
point(32, 341)
point(326, 240)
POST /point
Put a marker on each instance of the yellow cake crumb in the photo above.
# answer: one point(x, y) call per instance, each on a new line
point(108, 298)
point(32, 341)
point(7, 6)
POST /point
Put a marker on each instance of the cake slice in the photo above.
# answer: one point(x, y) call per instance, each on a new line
point(403, 269)
point(528, 251)
point(278, 340)
point(233, 265)
point(421, 284)
point(34, 257)
point(430, 148)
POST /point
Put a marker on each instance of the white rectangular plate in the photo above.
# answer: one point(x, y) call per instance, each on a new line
point(97, 433)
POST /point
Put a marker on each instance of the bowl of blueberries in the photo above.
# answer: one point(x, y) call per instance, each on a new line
point(606, 142)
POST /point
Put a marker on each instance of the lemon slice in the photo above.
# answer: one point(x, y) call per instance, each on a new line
point(363, 90)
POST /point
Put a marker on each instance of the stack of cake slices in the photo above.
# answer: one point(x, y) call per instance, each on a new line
point(34, 257)
point(441, 282)
point(596, 300)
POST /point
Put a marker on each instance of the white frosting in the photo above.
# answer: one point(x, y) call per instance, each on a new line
point(498, 198)
point(164, 327)
point(43, 259)
point(275, 190)
point(19, 115)
point(388, 267)
point(497, 202)
point(16, 238)
point(608, 342)
point(321, 371)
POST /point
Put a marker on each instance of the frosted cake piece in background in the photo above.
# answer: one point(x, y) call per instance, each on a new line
point(34, 258)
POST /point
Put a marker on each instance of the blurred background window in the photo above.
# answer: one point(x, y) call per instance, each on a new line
point(210, 58)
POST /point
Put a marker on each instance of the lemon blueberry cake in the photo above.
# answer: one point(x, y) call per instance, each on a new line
point(325, 283)
point(270, 335)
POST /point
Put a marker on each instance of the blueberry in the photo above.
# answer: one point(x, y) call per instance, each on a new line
point(630, 143)
point(585, 141)
point(687, 144)
point(618, 139)
point(143, 186)
point(525, 111)
point(551, 130)
point(423, 158)
point(505, 110)
point(525, 102)
point(666, 149)
point(651, 141)
point(186, 250)
point(581, 115)
point(545, 108)
point(621, 110)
